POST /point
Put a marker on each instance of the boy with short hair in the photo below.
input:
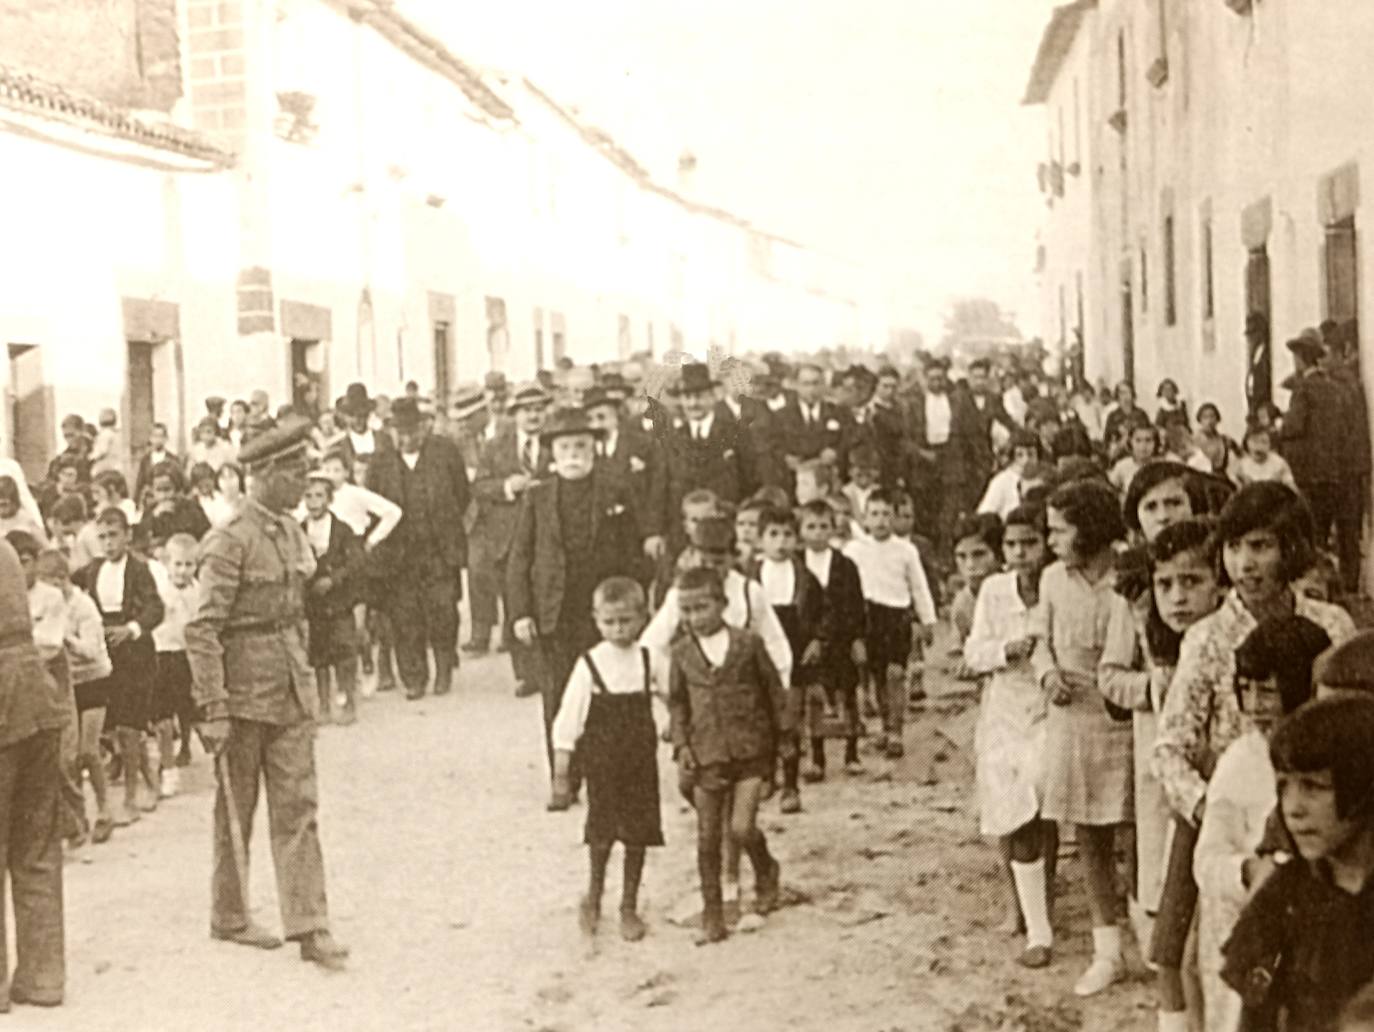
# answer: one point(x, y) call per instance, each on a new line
point(747, 531)
point(897, 597)
point(828, 679)
point(330, 596)
point(72, 532)
point(719, 669)
point(865, 468)
point(607, 717)
point(171, 697)
point(795, 596)
point(130, 607)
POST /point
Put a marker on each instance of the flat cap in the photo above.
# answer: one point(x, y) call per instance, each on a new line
point(279, 442)
point(1348, 665)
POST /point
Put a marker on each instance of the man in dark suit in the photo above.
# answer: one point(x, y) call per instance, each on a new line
point(156, 454)
point(704, 448)
point(987, 404)
point(509, 463)
point(361, 444)
point(809, 427)
point(889, 427)
point(1315, 435)
point(424, 555)
point(945, 430)
point(754, 417)
point(628, 453)
point(573, 531)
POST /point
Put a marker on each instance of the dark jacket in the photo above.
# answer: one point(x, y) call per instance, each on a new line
point(723, 463)
point(962, 459)
point(792, 435)
point(1316, 430)
point(736, 712)
point(638, 463)
point(142, 603)
point(146, 465)
point(30, 699)
point(537, 565)
point(805, 624)
point(343, 563)
point(185, 517)
point(494, 522)
point(444, 482)
point(887, 428)
point(362, 468)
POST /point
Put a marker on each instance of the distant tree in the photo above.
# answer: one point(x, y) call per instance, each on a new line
point(977, 327)
point(902, 343)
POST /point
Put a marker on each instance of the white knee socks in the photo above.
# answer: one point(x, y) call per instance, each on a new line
point(1030, 890)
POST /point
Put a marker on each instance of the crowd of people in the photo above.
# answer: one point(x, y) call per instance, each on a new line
point(748, 563)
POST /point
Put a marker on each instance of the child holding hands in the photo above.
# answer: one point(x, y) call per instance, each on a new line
point(717, 670)
point(607, 716)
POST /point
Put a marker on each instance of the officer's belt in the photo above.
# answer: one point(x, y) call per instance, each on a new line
point(263, 627)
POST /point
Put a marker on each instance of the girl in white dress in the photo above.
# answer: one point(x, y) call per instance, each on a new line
point(1009, 740)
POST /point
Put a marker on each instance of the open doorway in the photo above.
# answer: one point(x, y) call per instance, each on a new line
point(309, 377)
point(141, 381)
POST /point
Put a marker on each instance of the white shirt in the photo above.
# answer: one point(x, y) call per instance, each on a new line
point(357, 506)
point(701, 428)
point(819, 565)
point(937, 418)
point(109, 585)
point(1003, 493)
point(745, 606)
point(779, 580)
point(179, 607)
point(364, 443)
point(891, 574)
point(715, 647)
point(622, 669)
point(317, 531)
point(606, 446)
point(1014, 403)
point(411, 459)
point(811, 414)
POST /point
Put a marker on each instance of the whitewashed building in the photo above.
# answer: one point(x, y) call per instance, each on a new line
point(290, 195)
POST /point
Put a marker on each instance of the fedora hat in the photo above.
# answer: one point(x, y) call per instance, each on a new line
point(528, 396)
point(405, 414)
point(695, 378)
point(1307, 349)
point(495, 382)
point(567, 423)
point(355, 401)
point(600, 395)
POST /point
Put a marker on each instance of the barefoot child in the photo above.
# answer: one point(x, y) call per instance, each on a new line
point(1009, 742)
point(718, 670)
point(171, 703)
point(897, 596)
point(1088, 751)
point(607, 717)
point(828, 682)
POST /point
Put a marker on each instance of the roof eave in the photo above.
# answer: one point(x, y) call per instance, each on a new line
point(1054, 47)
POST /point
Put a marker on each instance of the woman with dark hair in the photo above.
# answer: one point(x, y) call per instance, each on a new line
point(1087, 749)
point(1220, 450)
point(1169, 402)
point(1265, 536)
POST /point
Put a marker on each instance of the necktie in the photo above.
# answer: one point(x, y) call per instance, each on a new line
point(528, 457)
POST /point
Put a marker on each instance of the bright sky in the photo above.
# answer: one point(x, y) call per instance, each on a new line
point(888, 132)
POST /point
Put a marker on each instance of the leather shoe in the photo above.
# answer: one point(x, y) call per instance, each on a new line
point(320, 948)
point(559, 802)
point(524, 689)
point(1035, 957)
point(249, 935)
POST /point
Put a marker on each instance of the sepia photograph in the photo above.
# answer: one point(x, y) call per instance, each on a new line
point(637, 516)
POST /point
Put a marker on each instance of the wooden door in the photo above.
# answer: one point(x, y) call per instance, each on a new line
point(142, 404)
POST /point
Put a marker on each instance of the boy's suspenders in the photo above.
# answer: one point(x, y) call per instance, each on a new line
point(599, 683)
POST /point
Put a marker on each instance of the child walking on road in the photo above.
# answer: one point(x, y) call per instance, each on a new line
point(729, 720)
point(607, 716)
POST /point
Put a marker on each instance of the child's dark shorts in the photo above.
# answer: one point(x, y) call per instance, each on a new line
point(888, 637)
point(172, 688)
point(717, 777)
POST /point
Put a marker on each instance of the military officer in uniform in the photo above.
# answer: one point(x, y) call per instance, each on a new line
point(257, 698)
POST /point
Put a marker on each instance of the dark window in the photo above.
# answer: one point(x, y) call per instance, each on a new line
point(1259, 379)
point(498, 333)
point(1342, 282)
point(1209, 301)
point(1170, 291)
point(1121, 70)
point(443, 366)
point(1144, 281)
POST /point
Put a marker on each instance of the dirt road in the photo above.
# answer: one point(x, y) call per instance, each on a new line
point(457, 894)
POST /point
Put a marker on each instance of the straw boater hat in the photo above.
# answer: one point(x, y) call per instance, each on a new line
point(529, 395)
point(468, 403)
point(694, 379)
